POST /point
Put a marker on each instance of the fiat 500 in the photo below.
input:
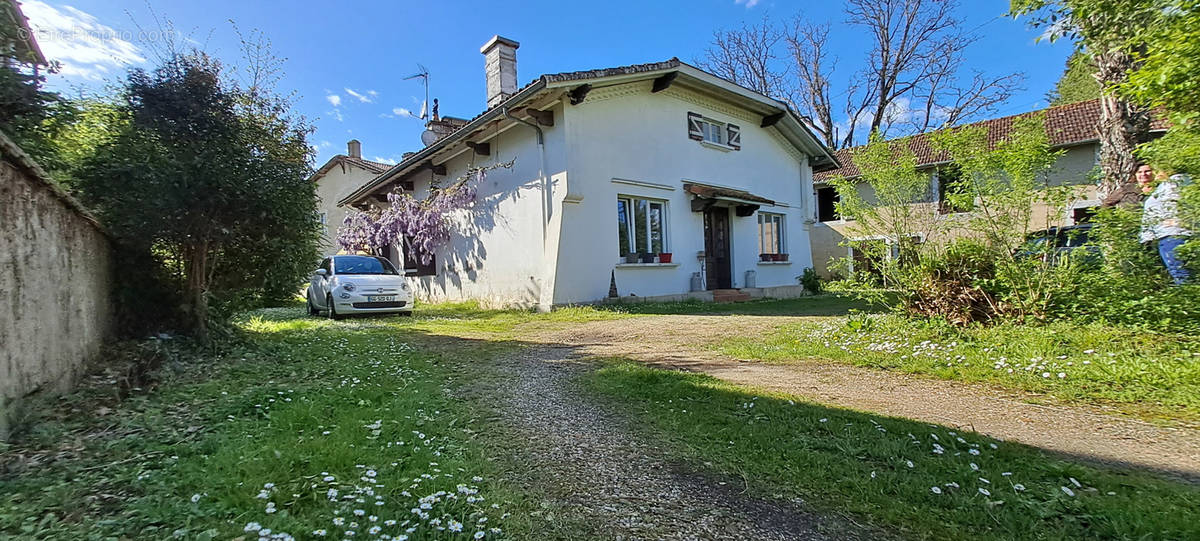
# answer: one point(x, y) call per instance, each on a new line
point(358, 284)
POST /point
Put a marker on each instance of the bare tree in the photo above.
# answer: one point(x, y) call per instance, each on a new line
point(913, 78)
point(749, 56)
point(807, 44)
point(916, 55)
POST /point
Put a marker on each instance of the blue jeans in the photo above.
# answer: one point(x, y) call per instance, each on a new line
point(1166, 250)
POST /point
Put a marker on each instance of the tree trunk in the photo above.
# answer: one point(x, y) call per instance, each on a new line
point(197, 288)
point(1122, 125)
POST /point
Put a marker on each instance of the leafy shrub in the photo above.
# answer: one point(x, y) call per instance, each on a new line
point(949, 286)
point(811, 280)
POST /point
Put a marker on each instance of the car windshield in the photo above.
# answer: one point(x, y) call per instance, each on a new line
point(361, 264)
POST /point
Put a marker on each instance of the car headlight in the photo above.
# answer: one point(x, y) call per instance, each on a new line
point(348, 286)
point(404, 286)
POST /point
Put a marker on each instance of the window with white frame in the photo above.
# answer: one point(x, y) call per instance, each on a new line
point(771, 236)
point(714, 132)
point(324, 217)
point(641, 225)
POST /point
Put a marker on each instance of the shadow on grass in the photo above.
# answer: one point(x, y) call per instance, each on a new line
point(916, 476)
point(342, 381)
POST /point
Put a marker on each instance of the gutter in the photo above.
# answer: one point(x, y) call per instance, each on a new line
point(461, 133)
point(547, 201)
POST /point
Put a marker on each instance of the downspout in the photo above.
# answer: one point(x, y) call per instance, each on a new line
point(543, 302)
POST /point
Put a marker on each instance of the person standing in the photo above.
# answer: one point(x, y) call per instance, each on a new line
point(1130, 194)
point(1160, 222)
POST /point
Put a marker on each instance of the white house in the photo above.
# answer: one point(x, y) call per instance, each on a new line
point(339, 176)
point(662, 159)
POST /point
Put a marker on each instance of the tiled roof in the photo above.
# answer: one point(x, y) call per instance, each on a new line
point(374, 167)
point(368, 165)
point(609, 72)
point(1066, 125)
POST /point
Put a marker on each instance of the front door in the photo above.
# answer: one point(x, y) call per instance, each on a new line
point(716, 247)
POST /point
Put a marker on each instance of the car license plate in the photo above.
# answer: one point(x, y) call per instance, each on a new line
point(381, 298)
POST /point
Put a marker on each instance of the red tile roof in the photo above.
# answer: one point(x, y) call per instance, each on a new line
point(368, 165)
point(1066, 125)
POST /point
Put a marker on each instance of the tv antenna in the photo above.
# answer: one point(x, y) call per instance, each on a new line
point(423, 74)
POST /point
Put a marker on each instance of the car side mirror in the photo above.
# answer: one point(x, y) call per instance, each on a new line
point(322, 272)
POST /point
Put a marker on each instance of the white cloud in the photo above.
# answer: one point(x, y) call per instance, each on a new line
point(334, 100)
point(373, 93)
point(336, 114)
point(749, 3)
point(380, 159)
point(85, 48)
point(361, 97)
point(400, 111)
point(326, 144)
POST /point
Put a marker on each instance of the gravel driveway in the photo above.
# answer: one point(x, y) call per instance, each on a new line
point(678, 342)
point(603, 475)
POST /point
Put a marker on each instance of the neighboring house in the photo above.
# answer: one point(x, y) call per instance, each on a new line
point(16, 37)
point(339, 176)
point(658, 158)
point(1072, 128)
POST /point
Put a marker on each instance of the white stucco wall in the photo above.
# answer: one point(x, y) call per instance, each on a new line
point(626, 133)
point(331, 188)
point(496, 253)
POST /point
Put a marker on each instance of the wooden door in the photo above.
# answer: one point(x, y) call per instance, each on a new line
point(716, 247)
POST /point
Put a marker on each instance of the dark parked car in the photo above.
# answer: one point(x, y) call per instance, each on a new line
point(1059, 241)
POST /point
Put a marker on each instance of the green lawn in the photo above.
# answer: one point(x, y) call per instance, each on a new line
point(305, 421)
point(1149, 375)
point(308, 427)
point(925, 481)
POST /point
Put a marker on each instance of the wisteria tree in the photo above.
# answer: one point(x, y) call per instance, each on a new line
point(423, 223)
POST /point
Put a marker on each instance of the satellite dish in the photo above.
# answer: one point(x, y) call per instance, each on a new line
point(429, 137)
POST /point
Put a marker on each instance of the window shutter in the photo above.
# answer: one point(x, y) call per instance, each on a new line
point(733, 136)
point(413, 264)
point(695, 130)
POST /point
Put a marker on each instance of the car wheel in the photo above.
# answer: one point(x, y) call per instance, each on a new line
point(332, 311)
point(312, 308)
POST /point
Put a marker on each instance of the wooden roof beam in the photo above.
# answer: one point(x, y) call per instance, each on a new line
point(579, 93)
point(664, 82)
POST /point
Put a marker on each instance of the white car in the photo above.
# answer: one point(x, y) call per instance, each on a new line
point(358, 284)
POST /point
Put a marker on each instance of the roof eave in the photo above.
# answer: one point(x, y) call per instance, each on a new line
point(421, 155)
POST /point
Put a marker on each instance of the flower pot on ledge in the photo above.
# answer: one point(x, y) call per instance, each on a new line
point(631, 258)
point(664, 257)
point(782, 257)
point(647, 257)
point(764, 257)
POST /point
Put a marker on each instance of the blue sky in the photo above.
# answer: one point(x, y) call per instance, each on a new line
point(347, 61)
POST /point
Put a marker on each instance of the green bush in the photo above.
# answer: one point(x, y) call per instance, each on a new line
point(811, 280)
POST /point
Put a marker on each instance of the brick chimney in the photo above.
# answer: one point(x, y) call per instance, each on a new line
point(500, 65)
point(354, 148)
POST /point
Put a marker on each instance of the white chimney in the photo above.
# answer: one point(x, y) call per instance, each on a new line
point(354, 148)
point(500, 65)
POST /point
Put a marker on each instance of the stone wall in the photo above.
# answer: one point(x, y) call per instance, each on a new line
point(55, 286)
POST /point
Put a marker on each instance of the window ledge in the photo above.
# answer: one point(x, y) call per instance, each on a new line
point(774, 262)
point(718, 146)
point(642, 265)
